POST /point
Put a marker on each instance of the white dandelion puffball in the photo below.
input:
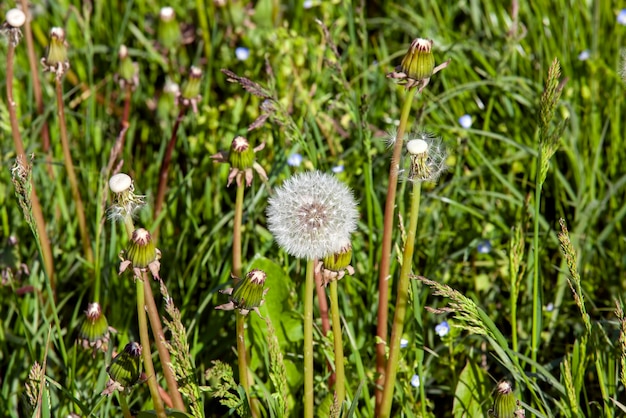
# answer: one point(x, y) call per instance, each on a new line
point(312, 215)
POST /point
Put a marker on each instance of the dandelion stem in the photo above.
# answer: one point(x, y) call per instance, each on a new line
point(40, 223)
point(124, 404)
point(165, 166)
point(164, 354)
point(322, 304)
point(242, 357)
point(385, 257)
point(308, 339)
point(237, 230)
point(340, 385)
point(537, 305)
point(145, 343)
point(71, 175)
point(401, 304)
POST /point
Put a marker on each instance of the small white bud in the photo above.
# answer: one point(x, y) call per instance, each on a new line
point(16, 18)
point(120, 183)
point(416, 146)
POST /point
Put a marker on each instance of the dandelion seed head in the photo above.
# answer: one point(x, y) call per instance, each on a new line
point(15, 18)
point(312, 215)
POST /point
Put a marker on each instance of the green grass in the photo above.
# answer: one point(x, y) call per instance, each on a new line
point(333, 110)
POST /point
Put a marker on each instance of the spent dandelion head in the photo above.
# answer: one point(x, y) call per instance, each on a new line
point(14, 20)
point(427, 156)
point(125, 203)
point(128, 71)
point(418, 65)
point(189, 95)
point(56, 60)
point(248, 294)
point(242, 161)
point(312, 215)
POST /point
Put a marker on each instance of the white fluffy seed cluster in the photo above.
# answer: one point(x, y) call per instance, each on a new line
point(312, 215)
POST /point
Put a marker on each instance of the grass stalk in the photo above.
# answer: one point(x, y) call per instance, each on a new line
point(309, 395)
point(71, 175)
point(40, 224)
point(165, 166)
point(385, 258)
point(148, 366)
point(340, 384)
point(401, 304)
point(536, 320)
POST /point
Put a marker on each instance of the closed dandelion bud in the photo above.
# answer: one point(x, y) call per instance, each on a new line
point(419, 62)
point(125, 368)
point(505, 405)
point(241, 154)
point(94, 331)
point(56, 60)
point(340, 260)
point(128, 72)
point(141, 250)
point(248, 294)
point(190, 93)
point(169, 32)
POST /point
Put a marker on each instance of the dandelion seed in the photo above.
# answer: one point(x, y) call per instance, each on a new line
point(242, 53)
point(465, 121)
point(584, 56)
point(621, 17)
point(295, 160)
point(442, 329)
point(312, 215)
point(415, 381)
point(484, 247)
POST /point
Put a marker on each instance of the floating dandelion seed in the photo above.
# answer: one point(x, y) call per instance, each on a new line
point(312, 215)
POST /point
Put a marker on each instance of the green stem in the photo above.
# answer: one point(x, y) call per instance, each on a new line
point(309, 289)
point(242, 357)
point(340, 385)
point(145, 344)
point(121, 396)
point(401, 304)
point(71, 175)
point(537, 305)
point(237, 231)
point(385, 257)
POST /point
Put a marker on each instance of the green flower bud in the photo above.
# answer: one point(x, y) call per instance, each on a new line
point(169, 32)
point(56, 60)
point(248, 294)
point(125, 368)
point(340, 260)
point(141, 250)
point(241, 154)
point(505, 404)
point(419, 62)
point(94, 331)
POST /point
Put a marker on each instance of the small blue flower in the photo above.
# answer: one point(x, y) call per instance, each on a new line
point(621, 17)
point(465, 121)
point(484, 247)
point(404, 343)
point(294, 160)
point(415, 381)
point(550, 307)
point(338, 169)
point(242, 53)
point(442, 329)
point(584, 56)
point(307, 4)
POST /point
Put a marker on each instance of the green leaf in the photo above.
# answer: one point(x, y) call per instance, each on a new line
point(471, 393)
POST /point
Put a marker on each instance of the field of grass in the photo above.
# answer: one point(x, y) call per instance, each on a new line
point(510, 266)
